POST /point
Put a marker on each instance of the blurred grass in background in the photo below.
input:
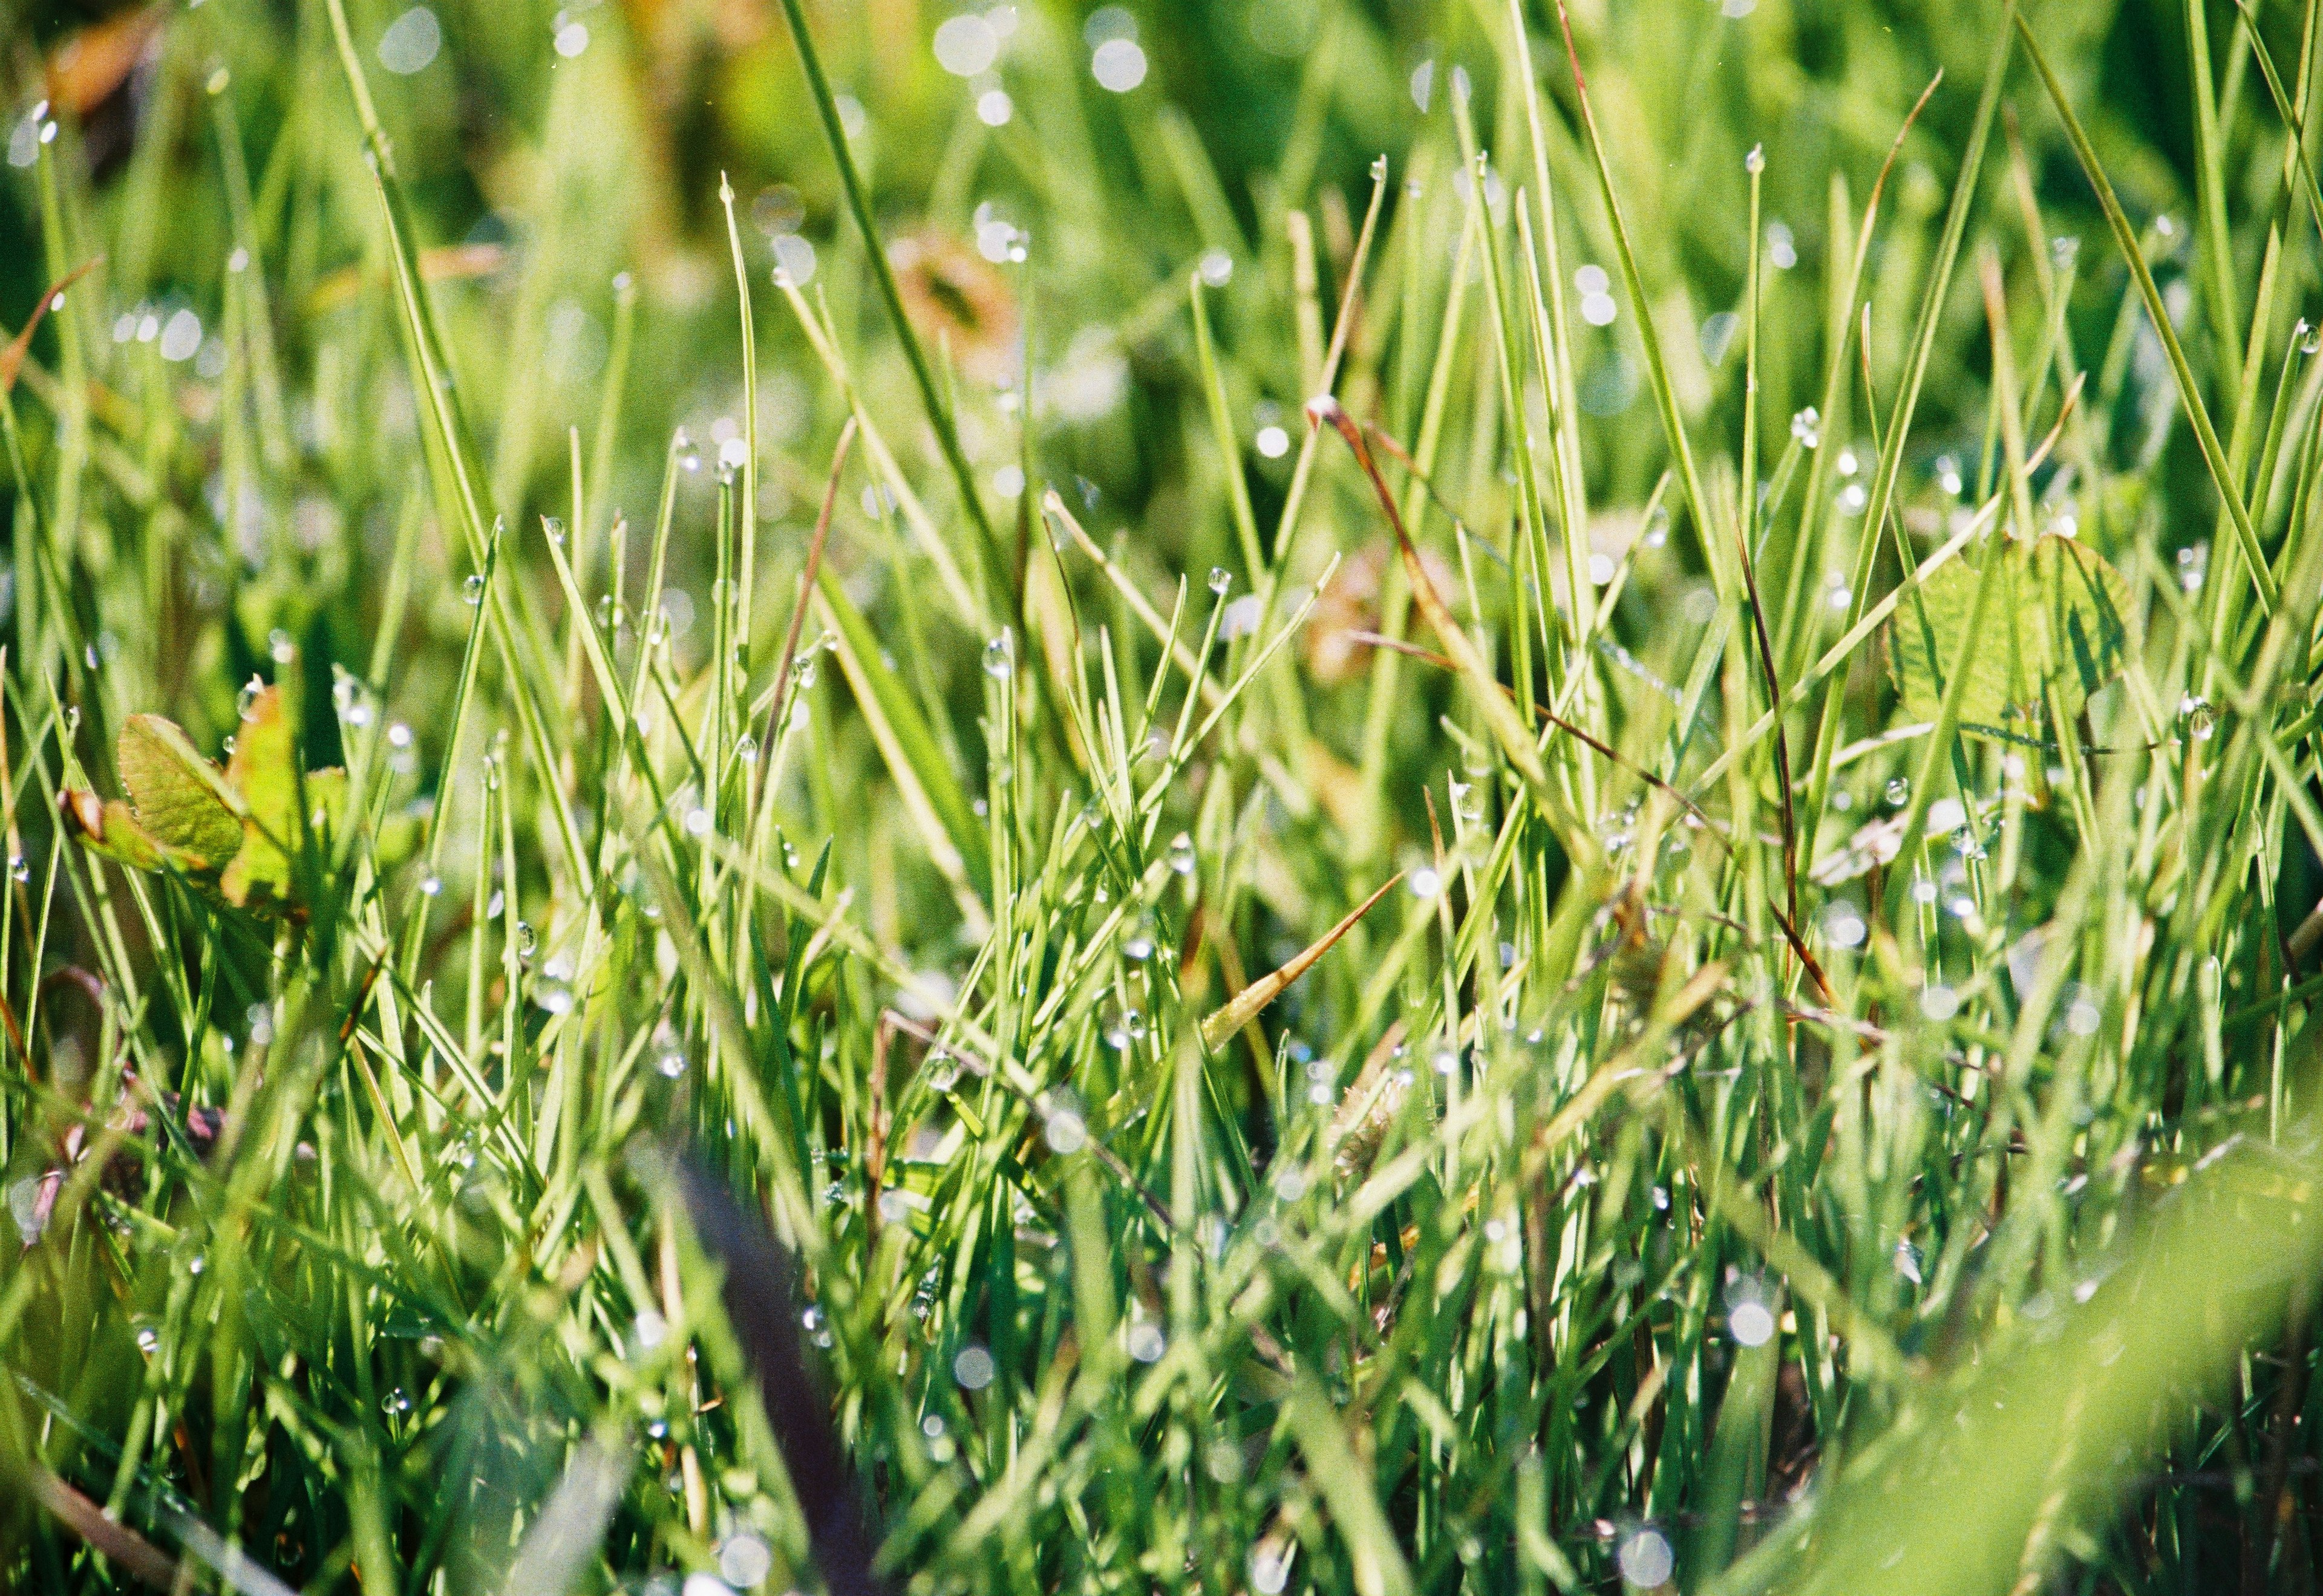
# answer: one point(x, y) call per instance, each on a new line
point(1884, 1166)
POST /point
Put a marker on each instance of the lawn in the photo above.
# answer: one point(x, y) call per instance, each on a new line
point(1237, 796)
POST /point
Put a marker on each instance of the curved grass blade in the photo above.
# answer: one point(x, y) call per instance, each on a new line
point(1254, 999)
point(1500, 712)
point(883, 275)
point(2190, 394)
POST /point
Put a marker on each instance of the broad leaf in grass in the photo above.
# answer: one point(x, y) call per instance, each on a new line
point(232, 831)
point(2056, 631)
point(179, 797)
point(109, 827)
point(264, 773)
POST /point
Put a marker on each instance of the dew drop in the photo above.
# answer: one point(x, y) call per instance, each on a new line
point(2198, 717)
point(744, 1562)
point(973, 1367)
point(1065, 1132)
point(1646, 1560)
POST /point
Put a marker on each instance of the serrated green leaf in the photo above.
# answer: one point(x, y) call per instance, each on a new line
point(2061, 630)
point(177, 797)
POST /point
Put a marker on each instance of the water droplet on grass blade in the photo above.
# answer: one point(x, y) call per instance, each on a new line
point(1241, 618)
point(1118, 64)
point(1646, 1559)
point(966, 45)
point(1782, 247)
point(411, 41)
point(1751, 1324)
point(744, 1562)
point(1065, 1130)
point(777, 211)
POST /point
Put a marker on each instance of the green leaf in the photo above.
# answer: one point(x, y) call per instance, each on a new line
point(2062, 631)
point(264, 773)
point(108, 827)
point(234, 830)
point(179, 798)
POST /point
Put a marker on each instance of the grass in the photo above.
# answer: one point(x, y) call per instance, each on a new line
point(1289, 798)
